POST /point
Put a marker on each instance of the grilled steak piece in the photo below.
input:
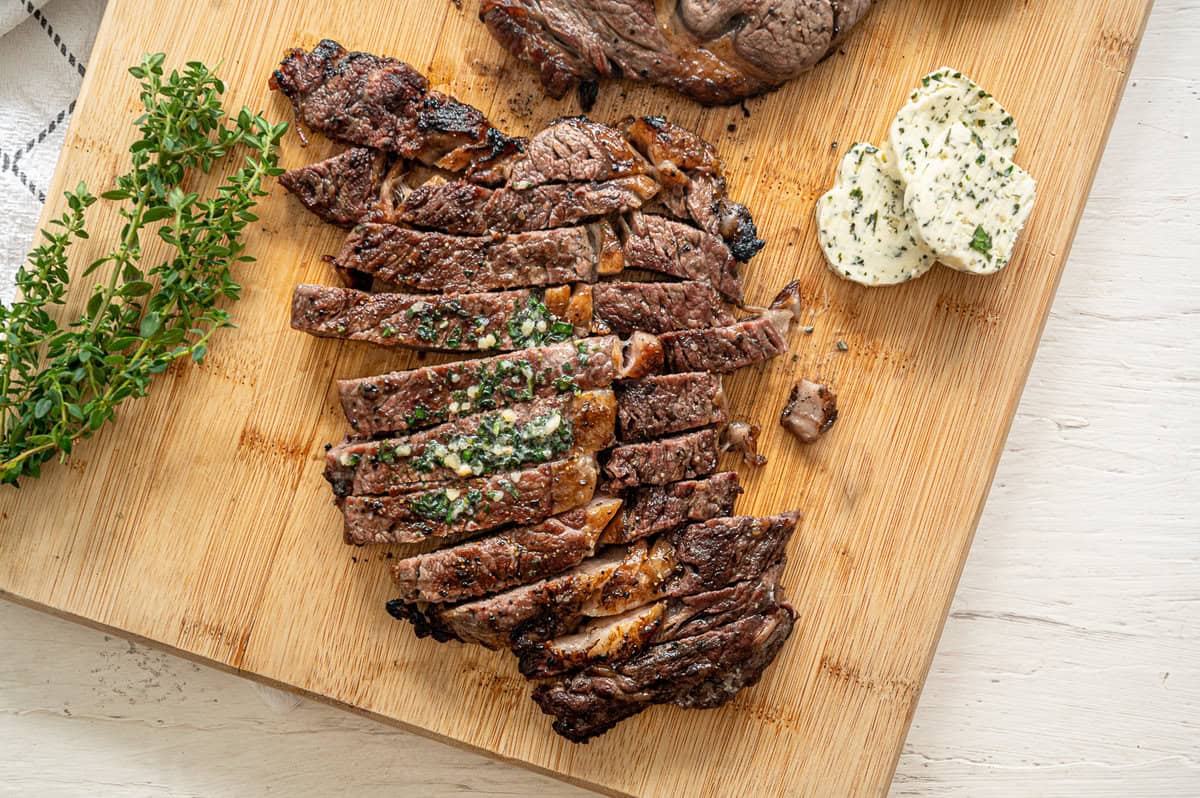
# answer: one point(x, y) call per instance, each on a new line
point(379, 102)
point(669, 247)
point(621, 637)
point(641, 356)
point(723, 349)
point(810, 411)
point(715, 51)
point(576, 149)
point(623, 308)
point(405, 400)
point(686, 456)
point(422, 260)
point(657, 406)
point(473, 446)
point(691, 560)
point(465, 208)
point(504, 560)
point(702, 671)
point(653, 509)
point(447, 322)
point(348, 187)
point(516, 497)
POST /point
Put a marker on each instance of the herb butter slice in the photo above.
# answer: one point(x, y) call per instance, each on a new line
point(945, 98)
point(862, 225)
point(969, 202)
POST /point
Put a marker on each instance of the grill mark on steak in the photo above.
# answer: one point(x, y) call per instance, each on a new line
point(656, 406)
point(623, 308)
point(473, 446)
point(687, 456)
point(510, 558)
point(654, 509)
point(526, 496)
point(723, 349)
point(422, 397)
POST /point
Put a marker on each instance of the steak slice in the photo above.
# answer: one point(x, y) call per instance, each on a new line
point(346, 188)
point(465, 208)
point(546, 429)
point(422, 397)
point(695, 559)
point(501, 561)
point(724, 349)
point(422, 260)
point(500, 321)
point(526, 496)
point(702, 671)
point(653, 509)
point(623, 308)
point(686, 456)
point(621, 637)
point(656, 406)
point(575, 149)
point(666, 246)
point(374, 101)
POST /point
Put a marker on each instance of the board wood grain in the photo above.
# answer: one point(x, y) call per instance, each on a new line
point(200, 520)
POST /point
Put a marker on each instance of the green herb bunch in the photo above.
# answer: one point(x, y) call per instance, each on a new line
point(61, 381)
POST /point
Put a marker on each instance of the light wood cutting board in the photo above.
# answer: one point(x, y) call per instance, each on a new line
point(200, 521)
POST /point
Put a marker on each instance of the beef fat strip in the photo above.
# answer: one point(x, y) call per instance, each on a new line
point(472, 446)
point(379, 102)
point(653, 509)
point(422, 397)
point(659, 462)
point(509, 558)
point(694, 559)
point(516, 497)
point(660, 405)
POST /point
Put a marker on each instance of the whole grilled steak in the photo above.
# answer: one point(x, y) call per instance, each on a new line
point(715, 51)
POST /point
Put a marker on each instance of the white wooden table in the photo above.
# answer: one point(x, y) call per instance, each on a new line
point(1071, 661)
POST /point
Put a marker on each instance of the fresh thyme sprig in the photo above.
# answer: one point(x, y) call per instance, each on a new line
point(60, 382)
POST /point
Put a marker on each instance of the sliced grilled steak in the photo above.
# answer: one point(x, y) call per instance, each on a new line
point(576, 149)
point(715, 51)
point(666, 246)
point(653, 509)
point(504, 560)
point(695, 559)
point(348, 187)
point(404, 400)
point(623, 308)
point(422, 260)
point(465, 208)
point(447, 322)
point(686, 456)
point(723, 349)
point(611, 639)
point(517, 497)
point(703, 671)
point(473, 446)
point(383, 103)
point(656, 406)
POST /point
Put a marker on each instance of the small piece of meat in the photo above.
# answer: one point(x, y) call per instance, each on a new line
point(445, 322)
point(656, 406)
point(379, 102)
point(575, 149)
point(465, 208)
point(405, 400)
point(344, 189)
point(510, 558)
point(526, 496)
point(742, 437)
point(687, 456)
point(422, 260)
point(474, 446)
point(641, 356)
point(723, 349)
point(622, 308)
point(703, 671)
point(810, 411)
point(654, 509)
point(663, 245)
point(613, 639)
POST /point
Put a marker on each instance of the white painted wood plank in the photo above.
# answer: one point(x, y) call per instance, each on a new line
point(1071, 661)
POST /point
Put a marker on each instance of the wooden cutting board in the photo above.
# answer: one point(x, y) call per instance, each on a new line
point(200, 521)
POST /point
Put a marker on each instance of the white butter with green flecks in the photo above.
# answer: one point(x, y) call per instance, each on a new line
point(945, 97)
point(862, 224)
point(969, 201)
